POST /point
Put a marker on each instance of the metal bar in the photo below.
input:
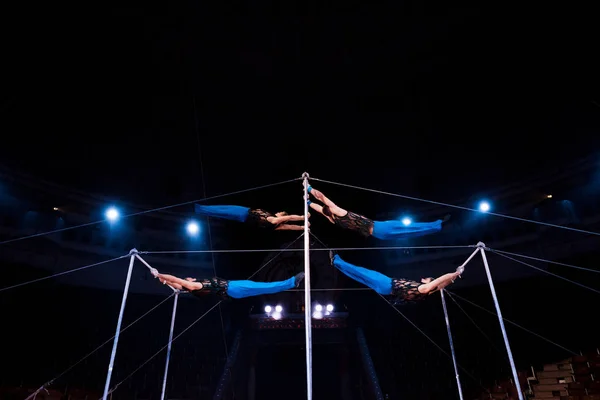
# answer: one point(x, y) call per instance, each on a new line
point(501, 320)
point(307, 301)
point(460, 393)
point(164, 387)
point(119, 321)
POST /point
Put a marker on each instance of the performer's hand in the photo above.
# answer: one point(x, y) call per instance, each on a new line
point(154, 272)
point(190, 279)
point(426, 280)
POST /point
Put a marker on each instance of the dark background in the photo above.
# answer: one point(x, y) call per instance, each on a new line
point(155, 104)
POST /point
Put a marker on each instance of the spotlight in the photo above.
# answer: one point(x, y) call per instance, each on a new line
point(278, 309)
point(484, 206)
point(112, 214)
point(319, 308)
point(549, 196)
point(406, 221)
point(330, 307)
point(55, 208)
point(317, 315)
point(193, 228)
point(268, 309)
point(276, 315)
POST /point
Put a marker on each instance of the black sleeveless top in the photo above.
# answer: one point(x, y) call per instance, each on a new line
point(406, 291)
point(217, 286)
point(259, 217)
point(354, 222)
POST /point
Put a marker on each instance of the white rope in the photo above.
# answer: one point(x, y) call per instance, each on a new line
point(153, 271)
point(51, 381)
point(432, 341)
point(502, 352)
point(510, 322)
point(543, 260)
point(163, 348)
point(459, 207)
point(62, 273)
point(149, 211)
point(298, 250)
point(547, 272)
point(190, 325)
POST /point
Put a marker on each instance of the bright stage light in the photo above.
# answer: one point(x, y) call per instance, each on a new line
point(276, 315)
point(317, 315)
point(278, 309)
point(193, 228)
point(484, 206)
point(318, 308)
point(406, 221)
point(330, 307)
point(549, 196)
point(112, 214)
point(268, 309)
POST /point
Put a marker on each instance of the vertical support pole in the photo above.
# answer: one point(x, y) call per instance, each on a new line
point(460, 393)
point(227, 376)
point(164, 386)
point(307, 301)
point(501, 320)
point(113, 354)
point(368, 364)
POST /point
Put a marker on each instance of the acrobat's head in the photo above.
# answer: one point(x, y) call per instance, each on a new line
point(327, 211)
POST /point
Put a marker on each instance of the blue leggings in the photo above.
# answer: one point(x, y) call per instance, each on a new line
point(240, 289)
point(234, 213)
point(377, 281)
point(388, 230)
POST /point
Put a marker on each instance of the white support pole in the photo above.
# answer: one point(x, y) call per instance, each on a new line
point(307, 301)
point(460, 393)
point(501, 320)
point(164, 387)
point(113, 354)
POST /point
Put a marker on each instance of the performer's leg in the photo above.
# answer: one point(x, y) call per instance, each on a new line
point(375, 280)
point(240, 289)
point(388, 230)
point(234, 213)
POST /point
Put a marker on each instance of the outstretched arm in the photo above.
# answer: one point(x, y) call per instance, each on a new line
point(289, 227)
point(322, 198)
point(286, 218)
point(179, 283)
point(430, 286)
point(319, 208)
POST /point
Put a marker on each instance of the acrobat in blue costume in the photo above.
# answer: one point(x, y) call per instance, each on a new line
point(402, 290)
point(384, 230)
point(229, 289)
point(256, 217)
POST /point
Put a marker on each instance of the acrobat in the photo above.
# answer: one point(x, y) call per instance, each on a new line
point(399, 289)
point(226, 289)
point(384, 230)
point(257, 217)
